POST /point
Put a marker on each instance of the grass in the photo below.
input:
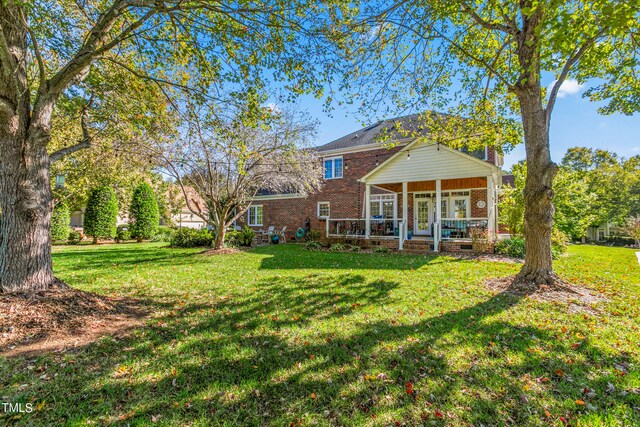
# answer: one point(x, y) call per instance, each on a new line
point(284, 336)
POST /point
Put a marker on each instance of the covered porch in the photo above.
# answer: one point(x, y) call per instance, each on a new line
point(426, 193)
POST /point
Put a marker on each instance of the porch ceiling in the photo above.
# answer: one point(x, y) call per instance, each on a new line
point(447, 184)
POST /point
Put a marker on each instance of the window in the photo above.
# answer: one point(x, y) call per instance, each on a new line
point(255, 215)
point(460, 206)
point(480, 153)
point(383, 205)
point(333, 168)
point(323, 210)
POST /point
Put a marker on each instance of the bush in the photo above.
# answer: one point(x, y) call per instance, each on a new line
point(314, 245)
point(242, 237)
point(381, 250)
point(190, 238)
point(559, 242)
point(312, 235)
point(355, 248)
point(143, 213)
point(122, 233)
point(74, 237)
point(163, 234)
point(513, 247)
point(338, 247)
point(100, 219)
point(60, 220)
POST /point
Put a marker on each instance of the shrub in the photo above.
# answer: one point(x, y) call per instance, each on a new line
point(381, 250)
point(314, 245)
point(122, 233)
point(355, 248)
point(163, 234)
point(338, 247)
point(559, 242)
point(189, 238)
point(100, 219)
point(312, 235)
point(513, 247)
point(60, 220)
point(242, 237)
point(74, 237)
point(143, 213)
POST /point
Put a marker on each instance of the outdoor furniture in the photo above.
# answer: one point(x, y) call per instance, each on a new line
point(283, 238)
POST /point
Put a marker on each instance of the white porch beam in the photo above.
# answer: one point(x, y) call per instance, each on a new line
point(367, 210)
point(437, 233)
point(491, 207)
point(405, 201)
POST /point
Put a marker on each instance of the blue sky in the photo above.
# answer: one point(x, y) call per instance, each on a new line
point(575, 122)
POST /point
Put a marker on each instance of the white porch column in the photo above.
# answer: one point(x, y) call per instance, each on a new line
point(491, 207)
point(405, 210)
point(367, 210)
point(438, 223)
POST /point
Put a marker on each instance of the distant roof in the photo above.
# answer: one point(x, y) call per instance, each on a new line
point(411, 124)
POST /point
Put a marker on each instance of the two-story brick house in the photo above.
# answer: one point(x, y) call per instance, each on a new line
point(416, 190)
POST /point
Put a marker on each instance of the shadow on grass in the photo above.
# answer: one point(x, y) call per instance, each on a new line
point(306, 351)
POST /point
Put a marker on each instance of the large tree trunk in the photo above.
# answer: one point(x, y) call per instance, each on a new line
point(538, 193)
point(26, 203)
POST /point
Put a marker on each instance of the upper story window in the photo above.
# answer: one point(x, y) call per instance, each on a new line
point(480, 153)
point(255, 215)
point(333, 167)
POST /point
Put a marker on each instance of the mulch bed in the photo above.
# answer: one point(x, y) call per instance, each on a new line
point(222, 251)
point(61, 318)
point(576, 297)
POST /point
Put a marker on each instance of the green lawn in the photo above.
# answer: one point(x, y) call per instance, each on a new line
point(284, 336)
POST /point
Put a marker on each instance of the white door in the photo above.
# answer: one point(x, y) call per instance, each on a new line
point(422, 209)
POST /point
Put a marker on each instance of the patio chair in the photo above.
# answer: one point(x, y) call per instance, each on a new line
point(270, 230)
point(283, 238)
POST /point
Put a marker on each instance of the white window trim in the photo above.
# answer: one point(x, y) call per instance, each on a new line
point(333, 167)
point(486, 153)
point(318, 210)
point(249, 215)
point(380, 198)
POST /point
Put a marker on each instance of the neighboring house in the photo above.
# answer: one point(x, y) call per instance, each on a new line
point(603, 231)
point(420, 190)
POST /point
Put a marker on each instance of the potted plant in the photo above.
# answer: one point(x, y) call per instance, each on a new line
point(479, 239)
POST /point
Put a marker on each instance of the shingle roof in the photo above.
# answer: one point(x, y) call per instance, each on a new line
point(411, 124)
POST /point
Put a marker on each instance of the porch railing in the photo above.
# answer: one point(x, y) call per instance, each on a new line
point(347, 227)
point(462, 228)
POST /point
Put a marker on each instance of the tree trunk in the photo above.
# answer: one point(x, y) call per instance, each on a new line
point(220, 234)
point(26, 202)
point(538, 193)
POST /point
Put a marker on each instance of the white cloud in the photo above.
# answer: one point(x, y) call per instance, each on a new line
point(272, 106)
point(568, 87)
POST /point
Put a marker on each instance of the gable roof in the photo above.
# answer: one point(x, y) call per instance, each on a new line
point(426, 167)
point(411, 124)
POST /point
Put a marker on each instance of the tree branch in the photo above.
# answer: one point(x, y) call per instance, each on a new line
point(86, 136)
point(565, 72)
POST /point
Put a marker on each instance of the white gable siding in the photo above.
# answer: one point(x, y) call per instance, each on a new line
point(427, 163)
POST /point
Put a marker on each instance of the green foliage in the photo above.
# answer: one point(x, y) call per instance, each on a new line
point(314, 245)
point(242, 237)
point(338, 247)
point(381, 250)
point(513, 247)
point(632, 228)
point(559, 243)
point(355, 248)
point(74, 237)
point(511, 201)
point(123, 233)
point(100, 218)
point(60, 219)
point(190, 237)
point(163, 234)
point(143, 213)
point(312, 235)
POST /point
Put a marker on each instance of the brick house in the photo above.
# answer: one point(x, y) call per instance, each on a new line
point(417, 195)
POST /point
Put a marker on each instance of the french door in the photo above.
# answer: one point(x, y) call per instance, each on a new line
point(422, 215)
